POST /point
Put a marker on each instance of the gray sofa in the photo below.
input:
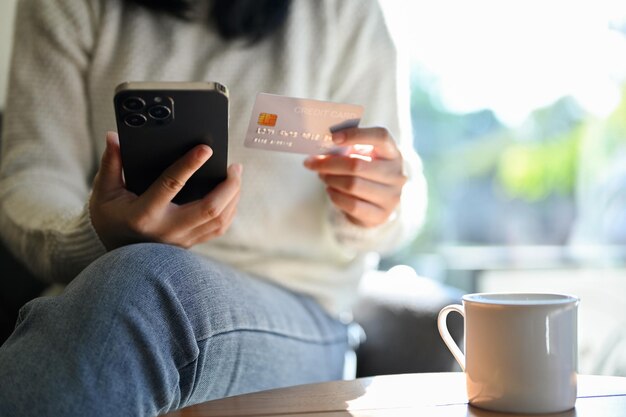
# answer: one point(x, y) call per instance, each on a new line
point(398, 313)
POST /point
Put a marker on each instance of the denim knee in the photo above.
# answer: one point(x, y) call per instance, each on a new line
point(132, 272)
point(121, 321)
point(135, 292)
point(134, 266)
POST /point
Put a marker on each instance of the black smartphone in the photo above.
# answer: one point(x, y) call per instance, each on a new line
point(158, 122)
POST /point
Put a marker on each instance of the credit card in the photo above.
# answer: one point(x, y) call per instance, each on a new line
point(289, 124)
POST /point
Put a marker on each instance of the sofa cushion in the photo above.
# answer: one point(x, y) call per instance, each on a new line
point(398, 311)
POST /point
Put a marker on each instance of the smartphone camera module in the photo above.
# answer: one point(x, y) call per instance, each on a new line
point(135, 120)
point(159, 112)
point(134, 104)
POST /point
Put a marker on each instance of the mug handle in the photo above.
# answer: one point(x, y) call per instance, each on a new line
point(445, 333)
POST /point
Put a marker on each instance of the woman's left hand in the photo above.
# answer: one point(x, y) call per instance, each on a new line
point(367, 188)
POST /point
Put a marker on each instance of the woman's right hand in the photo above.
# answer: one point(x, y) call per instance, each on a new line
point(120, 217)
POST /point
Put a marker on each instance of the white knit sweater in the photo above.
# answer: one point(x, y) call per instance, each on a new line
point(70, 54)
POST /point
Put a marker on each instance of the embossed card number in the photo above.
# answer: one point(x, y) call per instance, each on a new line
point(288, 124)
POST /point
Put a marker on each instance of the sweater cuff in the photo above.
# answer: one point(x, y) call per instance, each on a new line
point(78, 248)
point(357, 237)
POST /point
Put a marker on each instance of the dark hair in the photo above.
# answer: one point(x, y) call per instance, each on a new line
point(247, 19)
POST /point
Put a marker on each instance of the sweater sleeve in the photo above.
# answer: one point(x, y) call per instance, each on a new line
point(367, 72)
point(47, 156)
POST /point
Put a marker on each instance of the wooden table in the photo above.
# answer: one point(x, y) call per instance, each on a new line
point(431, 395)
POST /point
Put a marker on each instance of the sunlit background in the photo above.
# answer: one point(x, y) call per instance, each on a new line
point(512, 102)
point(514, 57)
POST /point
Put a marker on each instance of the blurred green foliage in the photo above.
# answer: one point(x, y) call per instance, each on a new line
point(534, 171)
point(545, 164)
point(473, 161)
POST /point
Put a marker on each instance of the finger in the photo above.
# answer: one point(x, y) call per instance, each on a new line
point(215, 227)
point(377, 170)
point(214, 203)
point(379, 137)
point(360, 212)
point(109, 177)
point(173, 179)
point(382, 195)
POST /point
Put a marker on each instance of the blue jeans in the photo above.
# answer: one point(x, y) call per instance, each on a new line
point(149, 328)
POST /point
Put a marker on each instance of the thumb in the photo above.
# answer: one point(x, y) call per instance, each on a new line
point(235, 170)
point(109, 177)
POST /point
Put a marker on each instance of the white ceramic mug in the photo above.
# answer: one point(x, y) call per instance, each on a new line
point(521, 350)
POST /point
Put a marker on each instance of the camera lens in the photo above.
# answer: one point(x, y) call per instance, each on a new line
point(159, 112)
point(134, 104)
point(135, 120)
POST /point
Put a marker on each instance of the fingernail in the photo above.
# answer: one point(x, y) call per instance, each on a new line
point(339, 137)
point(108, 137)
point(204, 152)
point(108, 143)
point(238, 169)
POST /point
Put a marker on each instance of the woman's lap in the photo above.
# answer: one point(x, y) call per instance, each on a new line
point(150, 327)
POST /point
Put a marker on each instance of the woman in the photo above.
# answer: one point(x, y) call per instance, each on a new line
point(275, 252)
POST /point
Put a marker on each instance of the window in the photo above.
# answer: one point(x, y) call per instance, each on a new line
point(519, 112)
